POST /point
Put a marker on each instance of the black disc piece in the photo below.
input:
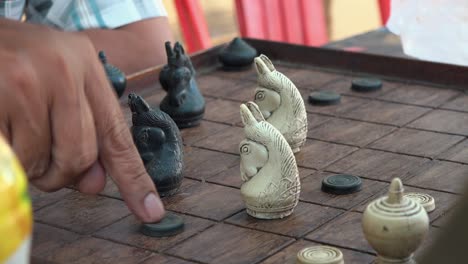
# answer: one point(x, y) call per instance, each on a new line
point(170, 225)
point(324, 98)
point(341, 184)
point(366, 85)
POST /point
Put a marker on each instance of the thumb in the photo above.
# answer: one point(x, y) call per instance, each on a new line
point(117, 151)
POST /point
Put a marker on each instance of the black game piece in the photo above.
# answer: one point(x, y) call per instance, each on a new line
point(237, 56)
point(341, 184)
point(170, 225)
point(183, 102)
point(114, 74)
point(366, 85)
point(324, 98)
point(158, 141)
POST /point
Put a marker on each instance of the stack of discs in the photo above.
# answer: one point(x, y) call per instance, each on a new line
point(425, 200)
point(320, 255)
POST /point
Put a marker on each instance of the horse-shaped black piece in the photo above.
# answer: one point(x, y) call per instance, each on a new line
point(183, 102)
point(159, 143)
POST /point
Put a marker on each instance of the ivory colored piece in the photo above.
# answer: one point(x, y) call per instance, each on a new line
point(320, 255)
point(268, 168)
point(427, 201)
point(395, 226)
point(280, 103)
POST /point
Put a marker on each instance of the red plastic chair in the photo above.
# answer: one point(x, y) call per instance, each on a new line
point(193, 24)
point(384, 10)
point(294, 21)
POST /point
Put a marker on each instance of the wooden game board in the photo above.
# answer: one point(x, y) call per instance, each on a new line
point(409, 129)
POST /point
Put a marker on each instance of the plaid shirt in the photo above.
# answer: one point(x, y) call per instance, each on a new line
point(73, 15)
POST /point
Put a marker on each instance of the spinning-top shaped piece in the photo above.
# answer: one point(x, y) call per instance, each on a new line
point(268, 168)
point(238, 55)
point(281, 103)
point(158, 141)
point(183, 102)
point(115, 75)
point(395, 226)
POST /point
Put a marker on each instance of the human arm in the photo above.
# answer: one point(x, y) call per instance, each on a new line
point(135, 46)
point(62, 119)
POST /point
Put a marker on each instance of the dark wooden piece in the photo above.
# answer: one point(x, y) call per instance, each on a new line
point(237, 55)
point(324, 98)
point(115, 75)
point(158, 141)
point(366, 85)
point(184, 102)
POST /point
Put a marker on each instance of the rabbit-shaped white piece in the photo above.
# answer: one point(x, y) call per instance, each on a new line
point(268, 168)
point(280, 103)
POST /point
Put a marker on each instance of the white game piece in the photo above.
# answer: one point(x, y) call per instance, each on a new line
point(268, 168)
point(280, 103)
point(427, 201)
point(320, 255)
point(395, 226)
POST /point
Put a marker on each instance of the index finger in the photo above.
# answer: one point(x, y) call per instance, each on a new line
point(117, 151)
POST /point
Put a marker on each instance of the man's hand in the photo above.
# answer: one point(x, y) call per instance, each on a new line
point(62, 118)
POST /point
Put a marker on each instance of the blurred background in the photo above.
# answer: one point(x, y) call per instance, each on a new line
point(344, 18)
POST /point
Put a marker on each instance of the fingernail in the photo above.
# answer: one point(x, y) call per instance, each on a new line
point(154, 207)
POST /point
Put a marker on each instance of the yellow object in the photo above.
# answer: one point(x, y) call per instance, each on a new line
point(15, 207)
